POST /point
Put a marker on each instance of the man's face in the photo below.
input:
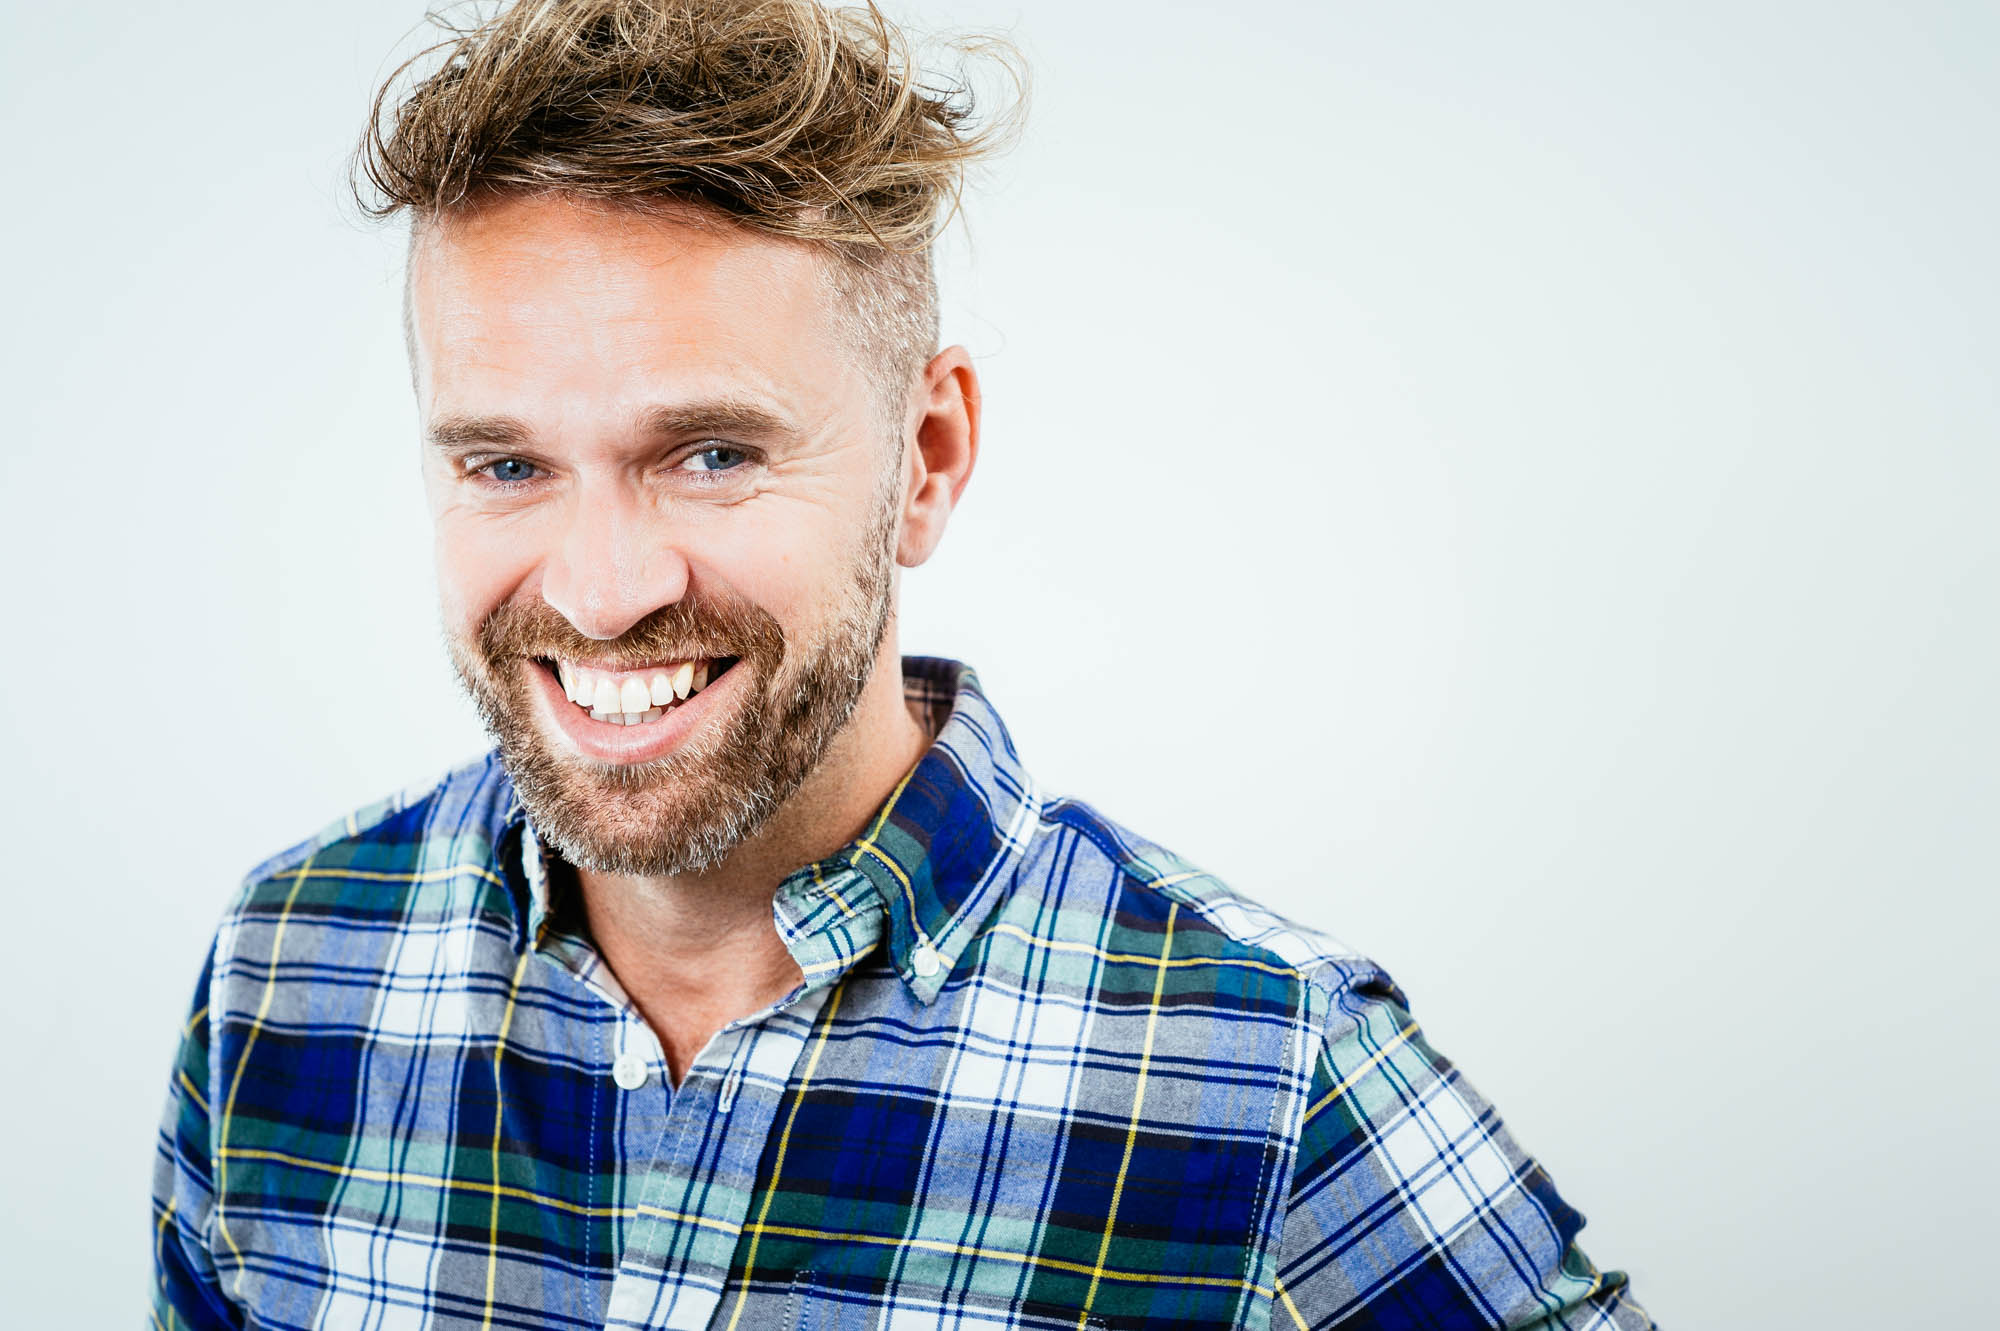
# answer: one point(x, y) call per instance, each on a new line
point(649, 456)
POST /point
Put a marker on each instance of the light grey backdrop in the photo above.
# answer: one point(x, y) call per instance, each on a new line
point(1511, 484)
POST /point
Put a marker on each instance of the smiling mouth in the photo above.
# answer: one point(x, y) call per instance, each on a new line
point(634, 695)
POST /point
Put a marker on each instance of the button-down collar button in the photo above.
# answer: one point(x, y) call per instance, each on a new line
point(629, 1071)
point(925, 961)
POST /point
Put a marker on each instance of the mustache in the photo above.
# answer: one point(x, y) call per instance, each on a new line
point(692, 628)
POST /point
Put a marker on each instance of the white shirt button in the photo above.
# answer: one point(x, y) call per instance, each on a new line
point(926, 962)
point(629, 1071)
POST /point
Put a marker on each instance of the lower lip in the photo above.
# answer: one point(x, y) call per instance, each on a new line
point(622, 745)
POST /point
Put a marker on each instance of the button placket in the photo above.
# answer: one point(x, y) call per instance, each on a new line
point(632, 1067)
point(629, 1071)
point(694, 1200)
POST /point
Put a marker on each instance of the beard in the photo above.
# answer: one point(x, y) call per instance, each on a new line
point(684, 812)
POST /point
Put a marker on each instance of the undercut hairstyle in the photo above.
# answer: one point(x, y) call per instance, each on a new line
point(784, 116)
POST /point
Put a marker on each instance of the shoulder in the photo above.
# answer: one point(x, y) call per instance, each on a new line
point(1153, 898)
point(376, 859)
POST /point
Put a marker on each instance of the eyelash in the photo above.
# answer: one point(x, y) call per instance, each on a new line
point(485, 469)
point(715, 476)
point(717, 447)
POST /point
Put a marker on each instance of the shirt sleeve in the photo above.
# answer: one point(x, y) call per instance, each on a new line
point(1411, 1205)
point(186, 1291)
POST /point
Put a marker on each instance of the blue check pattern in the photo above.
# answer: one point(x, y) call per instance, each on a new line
point(1041, 1073)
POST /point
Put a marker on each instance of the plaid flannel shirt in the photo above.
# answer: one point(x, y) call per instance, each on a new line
point(1040, 1073)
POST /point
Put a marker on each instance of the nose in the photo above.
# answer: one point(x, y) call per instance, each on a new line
point(615, 563)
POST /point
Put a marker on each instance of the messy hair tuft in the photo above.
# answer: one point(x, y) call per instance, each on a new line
point(787, 116)
point(798, 119)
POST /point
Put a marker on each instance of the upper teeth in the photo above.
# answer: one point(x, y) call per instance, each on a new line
point(628, 695)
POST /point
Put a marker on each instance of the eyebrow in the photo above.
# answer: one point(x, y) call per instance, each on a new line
point(472, 431)
point(724, 416)
point(728, 417)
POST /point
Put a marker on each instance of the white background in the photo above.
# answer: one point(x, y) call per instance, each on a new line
point(1513, 485)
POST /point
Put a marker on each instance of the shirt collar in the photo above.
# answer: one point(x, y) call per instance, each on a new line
point(929, 868)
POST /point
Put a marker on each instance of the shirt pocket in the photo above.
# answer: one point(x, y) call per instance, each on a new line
point(817, 1305)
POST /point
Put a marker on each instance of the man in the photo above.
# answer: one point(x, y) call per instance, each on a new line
point(752, 982)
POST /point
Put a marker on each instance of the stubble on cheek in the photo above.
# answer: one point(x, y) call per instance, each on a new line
point(685, 811)
point(676, 814)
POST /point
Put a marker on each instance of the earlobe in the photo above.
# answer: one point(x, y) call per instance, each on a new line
point(946, 446)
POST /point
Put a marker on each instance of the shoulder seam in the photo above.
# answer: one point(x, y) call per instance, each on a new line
point(352, 824)
point(1328, 974)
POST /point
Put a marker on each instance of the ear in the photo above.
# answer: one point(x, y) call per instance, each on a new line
point(945, 437)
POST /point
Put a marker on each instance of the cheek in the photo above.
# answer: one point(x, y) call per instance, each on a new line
point(478, 567)
point(790, 563)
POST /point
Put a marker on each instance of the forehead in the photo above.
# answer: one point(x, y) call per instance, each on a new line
point(543, 297)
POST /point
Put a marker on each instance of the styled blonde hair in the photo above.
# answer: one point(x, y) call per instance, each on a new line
point(783, 116)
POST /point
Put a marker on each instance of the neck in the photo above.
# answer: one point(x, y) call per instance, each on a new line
point(697, 951)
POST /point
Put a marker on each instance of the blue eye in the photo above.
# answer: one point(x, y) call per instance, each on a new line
point(711, 451)
point(510, 471)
